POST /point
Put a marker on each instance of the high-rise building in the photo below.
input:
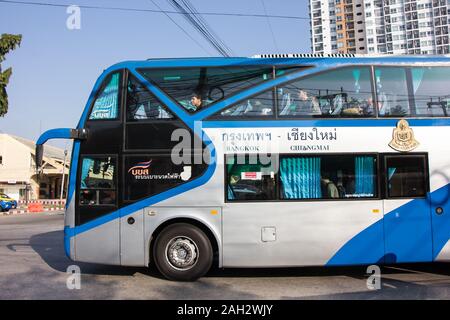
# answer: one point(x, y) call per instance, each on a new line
point(380, 26)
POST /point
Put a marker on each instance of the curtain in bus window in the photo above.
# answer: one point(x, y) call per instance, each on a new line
point(392, 91)
point(364, 184)
point(417, 75)
point(85, 167)
point(300, 178)
point(106, 105)
point(356, 75)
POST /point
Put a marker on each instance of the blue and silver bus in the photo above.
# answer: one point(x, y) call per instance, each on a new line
point(266, 161)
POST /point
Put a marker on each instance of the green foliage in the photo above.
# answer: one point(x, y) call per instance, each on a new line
point(8, 42)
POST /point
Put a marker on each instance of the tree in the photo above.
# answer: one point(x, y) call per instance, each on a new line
point(8, 42)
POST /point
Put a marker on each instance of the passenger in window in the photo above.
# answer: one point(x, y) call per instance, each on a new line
point(307, 103)
point(329, 188)
point(196, 101)
point(302, 104)
point(368, 107)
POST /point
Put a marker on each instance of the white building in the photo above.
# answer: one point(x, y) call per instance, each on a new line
point(380, 26)
point(18, 177)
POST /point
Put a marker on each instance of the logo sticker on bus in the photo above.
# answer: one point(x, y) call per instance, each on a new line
point(403, 137)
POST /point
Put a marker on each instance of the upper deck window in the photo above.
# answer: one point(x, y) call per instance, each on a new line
point(106, 105)
point(431, 91)
point(392, 92)
point(344, 92)
point(142, 105)
point(197, 88)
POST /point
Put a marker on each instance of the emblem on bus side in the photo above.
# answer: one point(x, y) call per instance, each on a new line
point(403, 137)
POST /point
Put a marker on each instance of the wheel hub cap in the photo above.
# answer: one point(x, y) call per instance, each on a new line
point(182, 253)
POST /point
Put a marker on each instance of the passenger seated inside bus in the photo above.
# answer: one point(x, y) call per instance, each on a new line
point(300, 103)
point(329, 189)
point(195, 102)
point(251, 107)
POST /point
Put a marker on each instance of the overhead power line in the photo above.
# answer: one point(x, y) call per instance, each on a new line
point(230, 14)
point(270, 26)
point(195, 19)
point(181, 28)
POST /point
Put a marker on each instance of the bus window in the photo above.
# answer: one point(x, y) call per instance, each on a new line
point(328, 177)
point(344, 92)
point(431, 91)
point(259, 106)
point(392, 92)
point(406, 176)
point(106, 105)
point(248, 178)
point(142, 105)
point(188, 86)
point(97, 181)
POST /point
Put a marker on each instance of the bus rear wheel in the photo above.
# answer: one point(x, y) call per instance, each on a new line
point(183, 252)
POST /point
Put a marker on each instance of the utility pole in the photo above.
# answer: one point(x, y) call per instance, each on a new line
point(63, 177)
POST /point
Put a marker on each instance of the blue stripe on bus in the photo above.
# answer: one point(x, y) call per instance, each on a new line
point(151, 200)
point(369, 246)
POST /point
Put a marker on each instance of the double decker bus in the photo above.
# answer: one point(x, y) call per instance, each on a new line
point(267, 161)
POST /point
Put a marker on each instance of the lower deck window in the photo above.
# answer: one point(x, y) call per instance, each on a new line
point(406, 176)
point(250, 178)
point(328, 177)
point(97, 181)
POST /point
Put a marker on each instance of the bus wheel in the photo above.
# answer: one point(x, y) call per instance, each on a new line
point(182, 252)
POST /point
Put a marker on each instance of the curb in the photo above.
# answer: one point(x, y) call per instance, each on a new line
point(24, 211)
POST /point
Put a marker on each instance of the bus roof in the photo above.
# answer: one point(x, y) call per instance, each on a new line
point(283, 59)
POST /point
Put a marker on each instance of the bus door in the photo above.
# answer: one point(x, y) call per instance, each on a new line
point(407, 209)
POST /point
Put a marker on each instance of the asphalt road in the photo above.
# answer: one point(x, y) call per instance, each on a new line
point(33, 266)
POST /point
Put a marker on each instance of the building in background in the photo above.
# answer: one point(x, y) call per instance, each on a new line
point(18, 176)
point(380, 26)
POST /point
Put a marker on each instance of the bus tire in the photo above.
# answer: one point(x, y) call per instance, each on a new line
point(183, 252)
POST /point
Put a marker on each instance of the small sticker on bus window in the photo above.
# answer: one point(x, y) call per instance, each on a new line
point(251, 175)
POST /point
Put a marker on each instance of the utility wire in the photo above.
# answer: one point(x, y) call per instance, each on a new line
point(270, 26)
point(197, 22)
point(181, 28)
point(65, 5)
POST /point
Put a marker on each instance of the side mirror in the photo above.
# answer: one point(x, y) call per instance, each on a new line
point(38, 157)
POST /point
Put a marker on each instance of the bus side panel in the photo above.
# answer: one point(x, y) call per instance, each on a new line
point(440, 197)
point(132, 244)
point(306, 233)
point(100, 244)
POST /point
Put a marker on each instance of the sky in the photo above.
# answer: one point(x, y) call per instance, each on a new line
point(55, 68)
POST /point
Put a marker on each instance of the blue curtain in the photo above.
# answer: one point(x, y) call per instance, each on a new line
point(417, 75)
point(356, 76)
point(364, 184)
point(300, 178)
point(85, 167)
point(107, 104)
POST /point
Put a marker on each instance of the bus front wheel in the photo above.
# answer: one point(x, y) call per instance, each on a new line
point(183, 252)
